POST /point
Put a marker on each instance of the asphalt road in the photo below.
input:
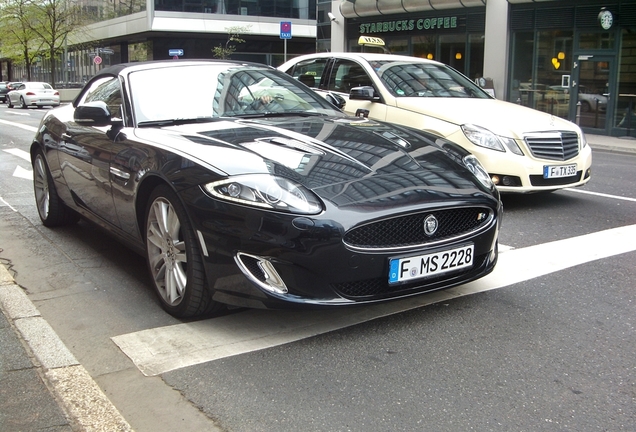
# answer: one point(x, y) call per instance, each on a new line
point(546, 343)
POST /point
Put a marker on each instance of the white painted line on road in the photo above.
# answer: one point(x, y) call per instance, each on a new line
point(19, 153)
point(18, 125)
point(18, 113)
point(23, 173)
point(601, 194)
point(7, 204)
point(158, 350)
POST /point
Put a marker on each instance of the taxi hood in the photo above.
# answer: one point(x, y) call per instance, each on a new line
point(502, 118)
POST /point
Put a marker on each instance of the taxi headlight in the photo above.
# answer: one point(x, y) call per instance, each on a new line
point(482, 137)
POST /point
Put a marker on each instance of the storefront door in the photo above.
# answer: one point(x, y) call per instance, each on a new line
point(591, 86)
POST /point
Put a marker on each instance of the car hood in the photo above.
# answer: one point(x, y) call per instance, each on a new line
point(502, 118)
point(347, 161)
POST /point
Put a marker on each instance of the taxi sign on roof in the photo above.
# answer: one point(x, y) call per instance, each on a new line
point(370, 40)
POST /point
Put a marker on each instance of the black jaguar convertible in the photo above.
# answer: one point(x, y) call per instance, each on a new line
point(257, 192)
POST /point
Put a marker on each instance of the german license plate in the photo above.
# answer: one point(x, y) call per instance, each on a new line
point(422, 266)
point(556, 171)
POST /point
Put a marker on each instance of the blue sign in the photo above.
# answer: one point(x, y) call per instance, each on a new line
point(175, 52)
point(285, 30)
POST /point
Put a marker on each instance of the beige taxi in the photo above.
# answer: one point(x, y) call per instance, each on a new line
point(523, 150)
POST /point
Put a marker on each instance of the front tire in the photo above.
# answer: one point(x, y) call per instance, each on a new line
point(174, 258)
point(53, 212)
point(9, 104)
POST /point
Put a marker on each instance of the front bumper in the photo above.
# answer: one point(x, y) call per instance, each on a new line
point(524, 174)
point(262, 259)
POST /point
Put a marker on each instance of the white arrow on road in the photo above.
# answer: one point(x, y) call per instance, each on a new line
point(19, 171)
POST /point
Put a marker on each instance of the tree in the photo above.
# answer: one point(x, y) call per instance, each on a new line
point(233, 36)
point(52, 22)
point(20, 43)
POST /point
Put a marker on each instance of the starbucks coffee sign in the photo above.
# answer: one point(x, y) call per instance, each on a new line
point(407, 25)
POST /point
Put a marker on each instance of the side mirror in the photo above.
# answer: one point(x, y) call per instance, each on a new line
point(363, 93)
point(336, 100)
point(93, 114)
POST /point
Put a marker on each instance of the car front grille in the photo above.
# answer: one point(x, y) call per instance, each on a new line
point(408, 230)
point(559, 145)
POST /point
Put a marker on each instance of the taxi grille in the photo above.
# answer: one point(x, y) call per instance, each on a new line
point(408, 230)
point(559, 146)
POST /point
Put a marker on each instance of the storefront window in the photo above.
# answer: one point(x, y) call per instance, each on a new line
point(542, 82)
point(476, 67)
point(625, 115)
point(398, 46)
point(453, 51)
point(596, 41)
point(424, 46)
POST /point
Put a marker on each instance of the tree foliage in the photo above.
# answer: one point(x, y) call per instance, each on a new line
point(37, 28)
point(233, 37)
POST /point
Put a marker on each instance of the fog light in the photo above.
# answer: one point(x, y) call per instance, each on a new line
point(495, 179)
point(508, 181)
point(261, 271)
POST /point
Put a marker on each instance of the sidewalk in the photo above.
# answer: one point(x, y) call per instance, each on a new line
point(614, 144)
point(43, 387)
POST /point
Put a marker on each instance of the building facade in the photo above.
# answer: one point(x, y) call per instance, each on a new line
point(139, 30)
point(575, 59)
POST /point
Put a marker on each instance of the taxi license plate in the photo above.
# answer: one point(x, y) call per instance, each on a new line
point(417, 267)
point(557, 171)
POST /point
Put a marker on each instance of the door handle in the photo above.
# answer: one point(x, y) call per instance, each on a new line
point(119, 173)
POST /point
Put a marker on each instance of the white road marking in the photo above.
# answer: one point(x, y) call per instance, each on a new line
point(19, 171)
point(158, 350)
point(23, 173)
point(22, 126)
point(19, 153)
point(601, 194)
point(7, 204)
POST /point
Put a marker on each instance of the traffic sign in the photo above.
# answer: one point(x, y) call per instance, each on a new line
point(97, 60)
point(175, 52)
point(285, 30)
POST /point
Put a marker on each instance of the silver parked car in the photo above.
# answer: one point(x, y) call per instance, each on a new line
point(39, 94)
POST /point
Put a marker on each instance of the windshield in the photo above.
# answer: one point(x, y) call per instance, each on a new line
point(408, 79)
point(208, 91)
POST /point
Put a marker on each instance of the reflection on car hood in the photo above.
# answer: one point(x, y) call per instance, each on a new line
point(346, 161)
point(502, 118)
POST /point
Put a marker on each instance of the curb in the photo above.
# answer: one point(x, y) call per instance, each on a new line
point(78, 394)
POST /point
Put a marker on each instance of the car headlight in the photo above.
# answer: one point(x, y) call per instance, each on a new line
point(474, 166)
point(266, 191)
point(484, 138)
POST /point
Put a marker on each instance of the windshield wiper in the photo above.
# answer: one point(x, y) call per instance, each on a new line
point(176, 122)
point(282, 114)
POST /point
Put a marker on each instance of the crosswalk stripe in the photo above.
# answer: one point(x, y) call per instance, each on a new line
point(158, 350)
